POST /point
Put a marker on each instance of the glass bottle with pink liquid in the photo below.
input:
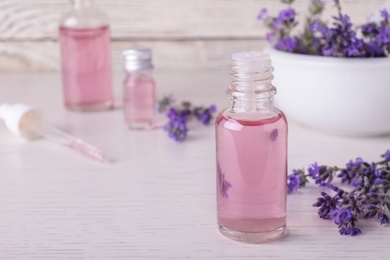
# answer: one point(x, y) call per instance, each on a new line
point(251, 142)
point(86, 58)
point(139, 89)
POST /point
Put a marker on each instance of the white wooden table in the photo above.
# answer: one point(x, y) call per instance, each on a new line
point(157, 201)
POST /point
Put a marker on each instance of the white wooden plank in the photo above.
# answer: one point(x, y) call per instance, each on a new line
point(45, 56)
point(158, 19)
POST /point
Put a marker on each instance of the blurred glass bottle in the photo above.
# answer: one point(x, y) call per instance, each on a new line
point(139, 88)
point(86, 58)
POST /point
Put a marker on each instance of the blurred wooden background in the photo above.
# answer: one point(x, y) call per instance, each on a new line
point(182, 33)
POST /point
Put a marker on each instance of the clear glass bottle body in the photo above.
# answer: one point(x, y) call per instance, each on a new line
point(86, 58)
point(251, 141)
point(139, 90)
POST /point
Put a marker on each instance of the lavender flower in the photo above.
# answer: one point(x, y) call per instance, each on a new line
point(314, 170)
point(263, 15)
point(351, 231)
point(340, 215)
point(346, 221)
point(387, 155)
point(385, 15)
point(317, 26)
point(354, 202)
point(327, 205)
point(369, 198)
point(293, 182)
point(355, 164)
point(205, 114)
point(345, 215)
point(287, 44)
point(383, 217)
point(322, 175)
point(383, 36)
point(286, 16)
point(339, 39)
point(351, 173)
point(177, 125)
point(296, 180)
point(179, 116)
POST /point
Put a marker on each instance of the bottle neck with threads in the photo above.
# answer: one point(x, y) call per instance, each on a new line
point(251, 90)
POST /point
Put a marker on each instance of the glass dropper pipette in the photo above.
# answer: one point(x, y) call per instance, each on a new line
point(29, 124)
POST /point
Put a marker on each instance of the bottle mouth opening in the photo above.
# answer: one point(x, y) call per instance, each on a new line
point(249, 64)
point(251, 56)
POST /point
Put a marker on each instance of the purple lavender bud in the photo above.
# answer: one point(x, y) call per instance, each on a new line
point(327, 204)
point(345, 215)
point(287, 16)
point(368, 29)
point(353, 231)
point(287, 44)
point(334, 214)
point(387, 155)
point(370, 214)
point(383, 36)
point(263, 14)
point(385, 14)
point(213, 108)
point(383, 217)
point(177, 125)
point(352, 164)
point(314, 170)
point(293, 182)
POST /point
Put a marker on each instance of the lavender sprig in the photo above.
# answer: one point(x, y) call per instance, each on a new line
point(339, 39)
point(180, 115)
point(177, 125)
point(369, 197)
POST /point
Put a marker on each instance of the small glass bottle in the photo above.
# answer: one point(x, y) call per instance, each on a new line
point(86, 58)
point(251, 142)
point(139, 88)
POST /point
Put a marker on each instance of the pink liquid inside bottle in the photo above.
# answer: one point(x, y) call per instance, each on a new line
point(251, 155)
point(86, 68)
point(251, 144)
point(139, 100)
